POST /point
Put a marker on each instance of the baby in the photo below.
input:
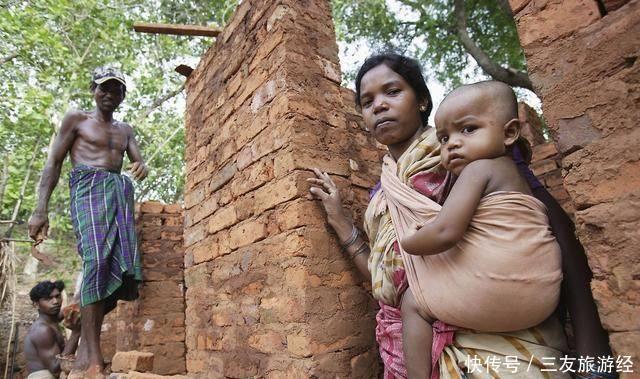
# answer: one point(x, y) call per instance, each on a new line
point(488, 259)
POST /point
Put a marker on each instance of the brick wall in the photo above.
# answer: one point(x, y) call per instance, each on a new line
point(269, 293)
point(154, 322)
point(582, 59)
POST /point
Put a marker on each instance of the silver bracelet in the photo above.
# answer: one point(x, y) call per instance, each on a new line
point(362, 249)
point(354, 236)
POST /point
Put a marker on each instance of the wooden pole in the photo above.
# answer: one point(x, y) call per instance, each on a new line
point(176, 29)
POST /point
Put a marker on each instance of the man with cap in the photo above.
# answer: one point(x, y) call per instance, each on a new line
point(101, 208)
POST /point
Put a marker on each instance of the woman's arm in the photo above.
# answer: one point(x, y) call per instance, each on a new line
point(326, 191)
point(591, 338)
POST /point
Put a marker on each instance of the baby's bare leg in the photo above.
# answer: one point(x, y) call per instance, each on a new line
point(417, 337)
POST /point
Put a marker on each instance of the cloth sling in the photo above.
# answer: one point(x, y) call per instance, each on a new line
point(504, 274)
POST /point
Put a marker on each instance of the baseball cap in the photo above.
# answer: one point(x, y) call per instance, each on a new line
point(102, 74)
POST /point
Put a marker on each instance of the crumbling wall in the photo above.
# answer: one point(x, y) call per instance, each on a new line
point(154, 322)
point(582, 59)
point(269, 292)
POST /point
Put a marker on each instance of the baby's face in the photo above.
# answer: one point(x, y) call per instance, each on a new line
point(468, 130)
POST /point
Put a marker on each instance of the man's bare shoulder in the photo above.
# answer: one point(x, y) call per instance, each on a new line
point(122, 124)
point(40, 334)
point(77, 115)
point(73, 118)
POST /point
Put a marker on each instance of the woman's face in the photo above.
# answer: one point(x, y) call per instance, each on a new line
point(390, 108)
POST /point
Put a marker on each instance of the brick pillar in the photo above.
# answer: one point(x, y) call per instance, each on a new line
point(269, 293)
point(585, 69)
point(154, 322)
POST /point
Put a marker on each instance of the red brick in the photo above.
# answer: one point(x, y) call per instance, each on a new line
point(269, 342)
point(173, 208)
point(151, 207)
point(265, 48)
point(222, 219)
point(194, 196)
point(202, 210)
point(278, 191)
point(306, 158)
point(244, 158)
point(542, 167)
point(147, 375)
point(253, 176)
point(247, 232)
point(194, 234)
point(222, 177)
point(553, 179)
point(544, 151)
point(173, 220)
point(125, 361)
point(204, 252)
point(300, 212)
point(299, 345)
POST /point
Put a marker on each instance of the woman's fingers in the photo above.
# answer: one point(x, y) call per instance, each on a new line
point(318, 193)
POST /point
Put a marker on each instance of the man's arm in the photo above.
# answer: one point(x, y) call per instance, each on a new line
point(454, 218)
point(43, 340)
point(138, 168)
point(38, 223)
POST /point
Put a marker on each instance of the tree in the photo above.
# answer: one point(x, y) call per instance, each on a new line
point(444, 33)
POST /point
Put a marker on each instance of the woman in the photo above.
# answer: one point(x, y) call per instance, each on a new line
point(395, 104)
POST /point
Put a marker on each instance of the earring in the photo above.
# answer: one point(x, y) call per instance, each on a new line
point(423, 108)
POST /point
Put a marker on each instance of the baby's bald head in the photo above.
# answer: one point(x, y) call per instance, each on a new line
point(495, 97)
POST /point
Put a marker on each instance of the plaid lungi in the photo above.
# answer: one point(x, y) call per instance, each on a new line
point(102, 214)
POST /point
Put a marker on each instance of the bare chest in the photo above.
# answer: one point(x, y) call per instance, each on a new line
point(110, 136)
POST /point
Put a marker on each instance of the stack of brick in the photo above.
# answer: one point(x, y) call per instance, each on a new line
point(582, 59)
point(155, 322)
point(269, 292)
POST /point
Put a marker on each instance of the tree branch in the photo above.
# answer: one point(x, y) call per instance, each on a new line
point(158, 102)
point(163, 144)
point(507, 75)
point(23, 189)
point(4, 178)
point(9, 57)
point(86, 51)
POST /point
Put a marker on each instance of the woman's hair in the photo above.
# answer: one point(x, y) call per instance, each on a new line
point(406, 67)
point(43, 289)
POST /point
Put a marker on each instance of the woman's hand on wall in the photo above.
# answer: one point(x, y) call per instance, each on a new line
point(324, 189)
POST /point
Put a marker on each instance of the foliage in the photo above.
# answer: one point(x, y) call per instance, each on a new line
point(48, 49)
point(426, 29)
